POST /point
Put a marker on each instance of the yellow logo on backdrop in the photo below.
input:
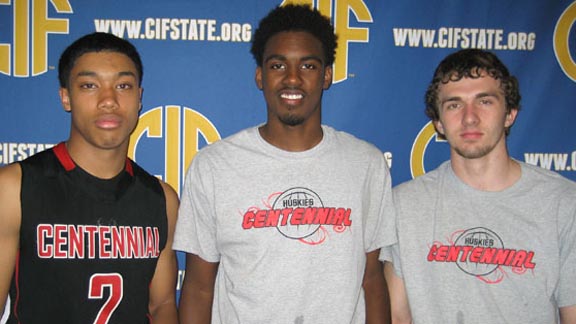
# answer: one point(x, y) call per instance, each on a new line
point(181, 128)
point(346, 34)
point(561, 41)
point(426, 134)
point(30, 36)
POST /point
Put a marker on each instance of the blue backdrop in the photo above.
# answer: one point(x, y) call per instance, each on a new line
point(199, 74)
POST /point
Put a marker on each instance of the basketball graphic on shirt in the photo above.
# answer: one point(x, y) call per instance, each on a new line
point(297, 198)
point(478, 237)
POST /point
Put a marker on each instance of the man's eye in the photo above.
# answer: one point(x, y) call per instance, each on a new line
point(452, 106)
point(308, 66)
point(125, 86)
point(88, 86)
point(276, 66)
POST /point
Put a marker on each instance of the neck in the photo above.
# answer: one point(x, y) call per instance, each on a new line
point(101, 163)
point(489, 173)
point(291, 138)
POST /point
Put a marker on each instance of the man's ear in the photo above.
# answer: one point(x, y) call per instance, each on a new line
point(439, 127)
point(258, 77)
point(140, 104)
point(65, 99)
point(327, 77)
point(511, 117)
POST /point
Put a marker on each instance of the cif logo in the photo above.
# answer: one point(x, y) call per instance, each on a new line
point(561, 41)
point(339, 10)
point(181, 129)
point(31, 27)
point(423, 139)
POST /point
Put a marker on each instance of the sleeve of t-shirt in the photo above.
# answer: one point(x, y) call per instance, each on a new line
point(380, 227)
point(391, 254)
point(566, 293)
point(195, 231)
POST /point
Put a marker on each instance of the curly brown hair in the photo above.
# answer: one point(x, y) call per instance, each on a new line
point(471, 63)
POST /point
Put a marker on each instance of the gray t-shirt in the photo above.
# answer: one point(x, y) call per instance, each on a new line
point(470, 256)
point(290, 230)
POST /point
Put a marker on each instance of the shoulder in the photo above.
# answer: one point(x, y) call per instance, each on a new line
point(539, 177)
point(206, 160)
point(548, 186)
point(10, 176)
point(427, 182)
point(230, 143)
point(148, 180)
point(46, 161)
point(172, 203)
point(169, 192)
point(11, 184)
point(159, 187)
point(351, 142)
point(353, 149)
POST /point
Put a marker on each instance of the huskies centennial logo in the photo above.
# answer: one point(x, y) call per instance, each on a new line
point(480, 252)
point(298, 213)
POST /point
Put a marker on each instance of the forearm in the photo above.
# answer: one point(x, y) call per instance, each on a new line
point(197, 293)
point(163, 307)
point(568, 315)
point(399, 308)
point(375, 291)
point(165, 314)
point(377, 304)
point(196, 307)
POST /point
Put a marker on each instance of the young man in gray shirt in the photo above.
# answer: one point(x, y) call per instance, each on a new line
point(283, 222)
point(483, 238)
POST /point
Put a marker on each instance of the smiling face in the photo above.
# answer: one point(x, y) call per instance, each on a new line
point(103, 97)
point(293, 76)
point(473, 116)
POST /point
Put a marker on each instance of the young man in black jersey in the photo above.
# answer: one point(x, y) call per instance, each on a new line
point(86, 233)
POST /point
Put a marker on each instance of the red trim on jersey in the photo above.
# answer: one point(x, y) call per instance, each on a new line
point(64, 157)
point(129, 168)
point(62, 154)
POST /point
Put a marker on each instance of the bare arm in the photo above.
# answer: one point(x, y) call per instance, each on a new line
point(375, 291)
point(162, 302)
point(197, 292)
point(10, 217)
point(398, 298)
point(568, 315)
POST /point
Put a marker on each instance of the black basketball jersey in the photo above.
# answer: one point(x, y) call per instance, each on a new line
point(88, 246)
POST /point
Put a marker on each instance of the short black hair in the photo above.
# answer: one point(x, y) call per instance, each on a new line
point(471, 63)
point(295, 18)
point(96, 42)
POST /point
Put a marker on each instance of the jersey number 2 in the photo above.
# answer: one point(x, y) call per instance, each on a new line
point(114, 283)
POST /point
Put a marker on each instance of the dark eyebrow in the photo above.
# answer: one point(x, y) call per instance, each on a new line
point(94, 74)
point(275, 57)
point(86, 73)
point(313, 58)
point(478, 96)
point(283, 58)
point(487, 94)
point(455, 98)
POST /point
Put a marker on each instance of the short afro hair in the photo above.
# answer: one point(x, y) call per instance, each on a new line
point(295, 18)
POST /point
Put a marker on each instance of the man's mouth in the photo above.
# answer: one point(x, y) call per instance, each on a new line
point(291, 96)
